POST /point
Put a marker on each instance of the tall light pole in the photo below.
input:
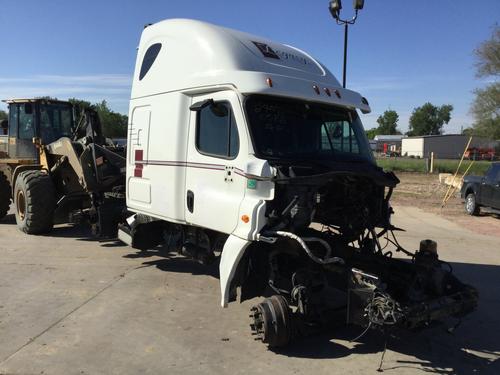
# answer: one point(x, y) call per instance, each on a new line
point(335, 6)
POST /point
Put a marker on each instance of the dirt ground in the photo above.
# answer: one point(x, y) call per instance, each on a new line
point(425, 192)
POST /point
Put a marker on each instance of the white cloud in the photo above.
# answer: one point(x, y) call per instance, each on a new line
point(114, 88)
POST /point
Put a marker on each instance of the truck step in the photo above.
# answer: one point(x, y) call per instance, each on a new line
point(124, 236)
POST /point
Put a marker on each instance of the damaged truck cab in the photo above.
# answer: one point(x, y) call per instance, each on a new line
point(251, 149)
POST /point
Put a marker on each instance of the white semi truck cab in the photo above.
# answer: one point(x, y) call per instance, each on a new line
point(251, 149)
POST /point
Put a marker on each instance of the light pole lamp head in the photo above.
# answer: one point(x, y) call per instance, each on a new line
point(358, 4)
point(335, 6)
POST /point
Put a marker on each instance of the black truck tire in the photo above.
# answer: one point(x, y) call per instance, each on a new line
point(471, 206)
point(5, 195)
point(35, 202)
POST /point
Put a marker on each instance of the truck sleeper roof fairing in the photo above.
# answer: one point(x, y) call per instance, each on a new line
point(192, 55)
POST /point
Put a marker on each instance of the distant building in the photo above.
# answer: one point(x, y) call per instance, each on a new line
point(447, 146)
point(387, 143)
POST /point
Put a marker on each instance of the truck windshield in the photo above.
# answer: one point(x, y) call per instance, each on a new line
point(294, 129)
point(56, 121)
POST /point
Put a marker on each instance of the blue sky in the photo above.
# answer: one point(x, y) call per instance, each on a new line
point(401, 53)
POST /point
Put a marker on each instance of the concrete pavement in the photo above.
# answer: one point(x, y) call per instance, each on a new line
point(69, 305)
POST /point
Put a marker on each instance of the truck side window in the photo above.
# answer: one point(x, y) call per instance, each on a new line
point(4, 127)
point(149, 58)
point(26, 121)
point(55, 122)
point(341, 136)
point(490, 173)
point(13, 117)
point(493, 173)
point(216, 131)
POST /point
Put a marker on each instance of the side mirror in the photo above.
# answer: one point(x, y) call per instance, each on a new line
point(218, 110)
point(198, 106)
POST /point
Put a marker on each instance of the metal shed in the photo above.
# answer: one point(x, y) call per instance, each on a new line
point(447, 146)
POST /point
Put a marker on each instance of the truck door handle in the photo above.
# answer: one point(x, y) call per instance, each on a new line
point(190, 201)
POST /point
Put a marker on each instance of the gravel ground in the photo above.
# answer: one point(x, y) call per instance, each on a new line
point(425, 192)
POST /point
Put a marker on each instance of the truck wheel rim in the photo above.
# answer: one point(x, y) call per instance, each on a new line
point(21, 204)
point(469, 204)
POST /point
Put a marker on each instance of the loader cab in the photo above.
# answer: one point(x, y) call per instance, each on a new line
point(30, 119)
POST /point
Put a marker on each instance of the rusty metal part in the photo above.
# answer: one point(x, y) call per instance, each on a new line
point(272, 321)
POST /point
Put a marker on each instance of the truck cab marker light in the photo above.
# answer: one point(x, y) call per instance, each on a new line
point(269, 82)
point(316, 89)
point(337, 92)
point(245, 219)
point(327, 91)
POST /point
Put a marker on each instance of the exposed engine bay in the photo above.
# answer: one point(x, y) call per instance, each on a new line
point(329, 244)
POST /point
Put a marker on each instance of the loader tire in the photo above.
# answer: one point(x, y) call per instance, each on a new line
point(35, 202)
point(5, 195)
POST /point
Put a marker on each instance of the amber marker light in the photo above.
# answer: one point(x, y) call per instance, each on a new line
point(245, 218)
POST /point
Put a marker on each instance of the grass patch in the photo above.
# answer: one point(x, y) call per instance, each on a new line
point(440, 165)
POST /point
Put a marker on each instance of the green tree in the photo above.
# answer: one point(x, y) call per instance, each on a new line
point(114, 125)
point(371, 133)
point(3, 115)
point(468, 131)
point(388, 123)
point(79, 105)
point(429, 119)
point(486, 105)
point(488, 55)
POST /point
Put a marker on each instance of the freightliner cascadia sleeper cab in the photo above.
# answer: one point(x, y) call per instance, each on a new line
point(249, 149)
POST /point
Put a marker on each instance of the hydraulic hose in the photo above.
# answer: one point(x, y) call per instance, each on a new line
point(302, 242)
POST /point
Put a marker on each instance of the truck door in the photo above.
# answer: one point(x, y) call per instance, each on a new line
point(217, 149)
point(490, 187)
point(138, 187)
point(22, 131)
